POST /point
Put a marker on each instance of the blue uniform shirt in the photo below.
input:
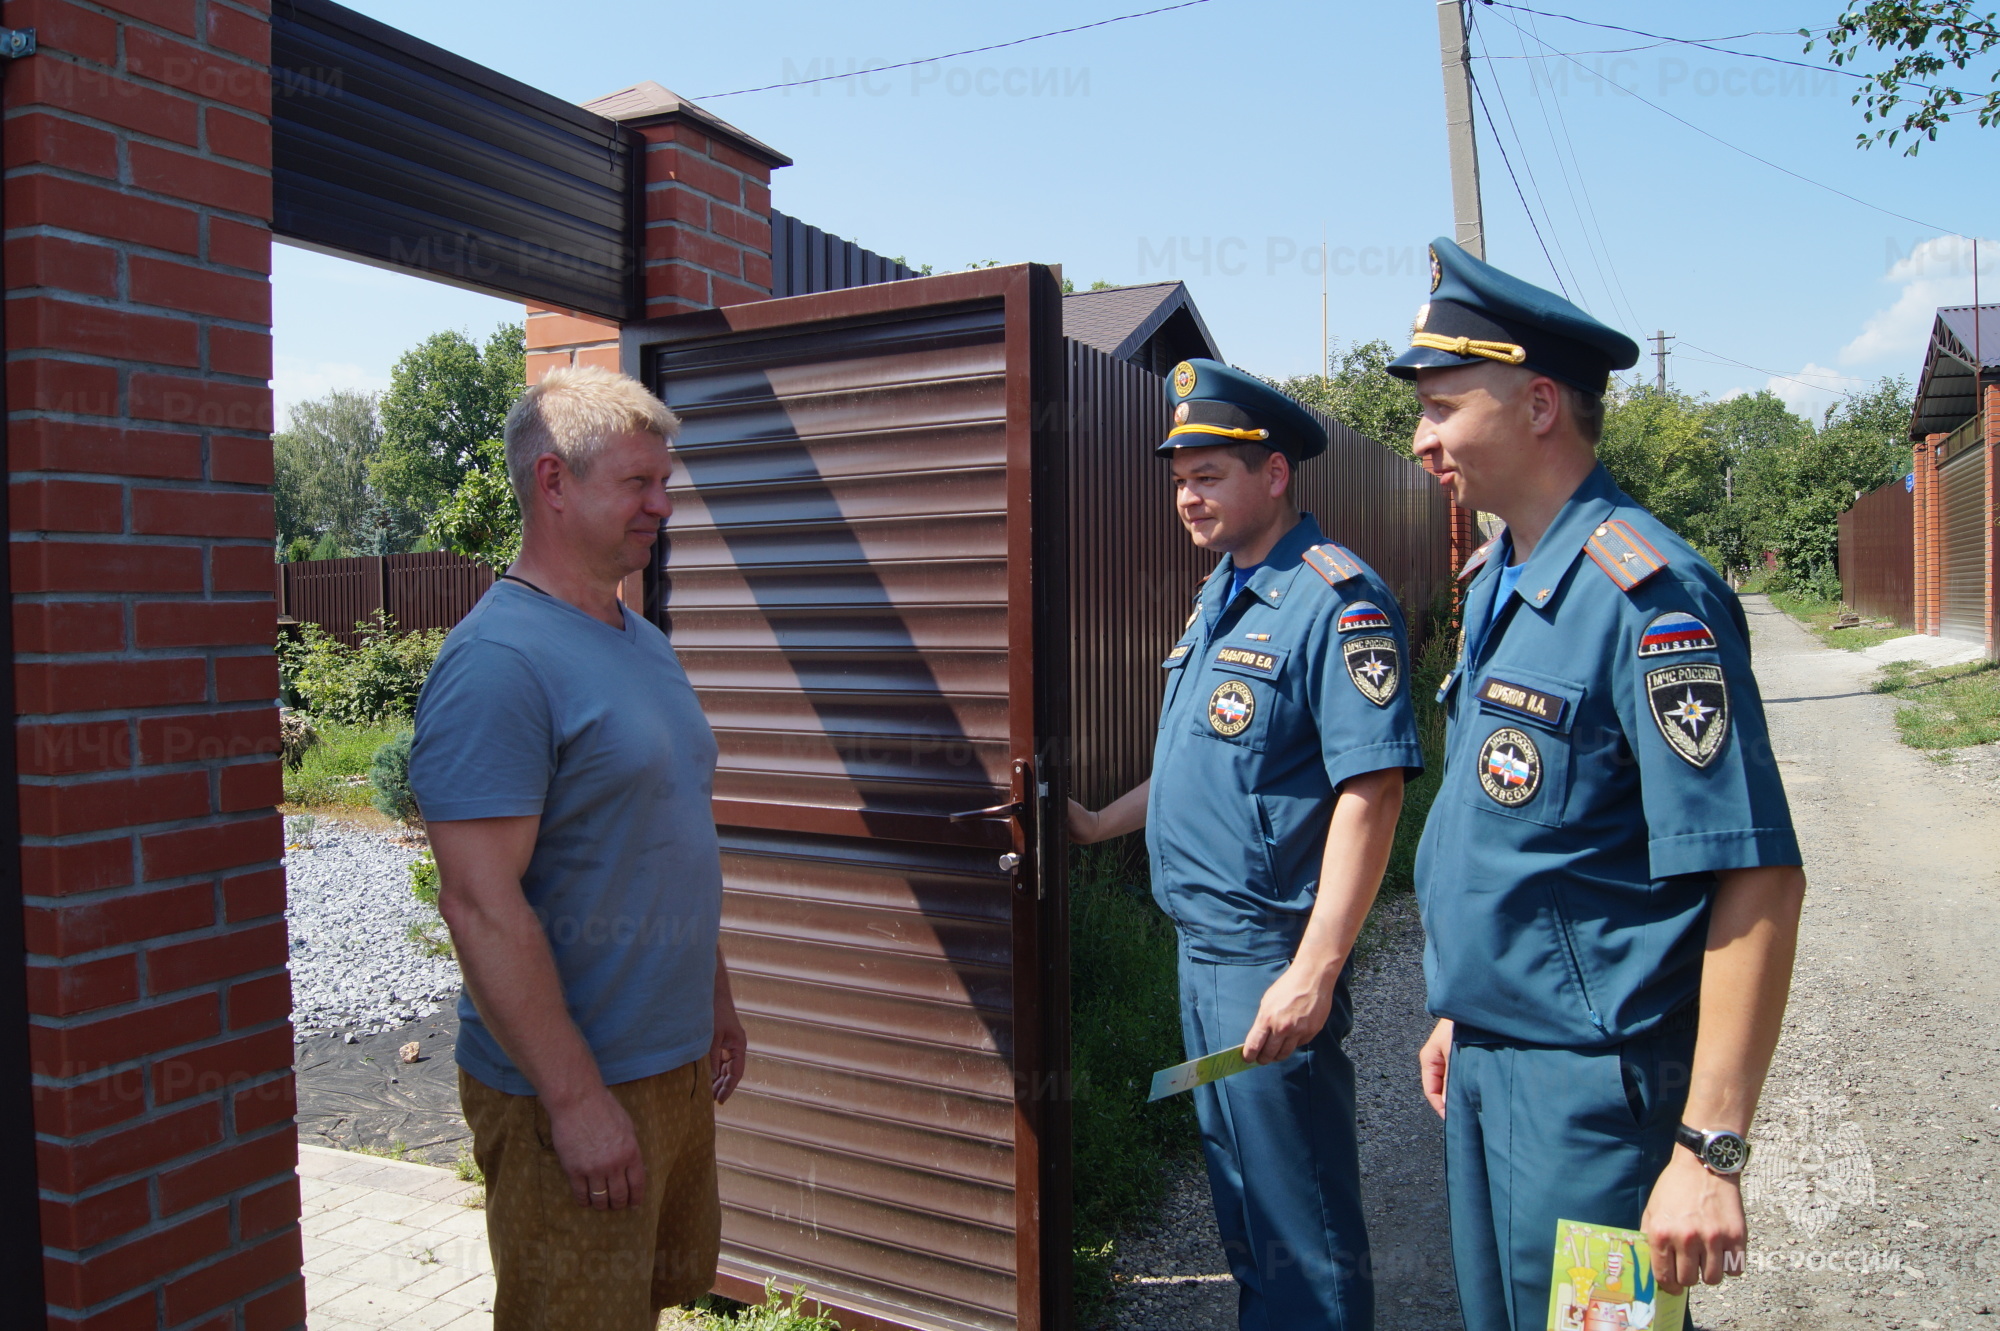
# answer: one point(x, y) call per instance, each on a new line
point(1274, 697)
point(1606, 756)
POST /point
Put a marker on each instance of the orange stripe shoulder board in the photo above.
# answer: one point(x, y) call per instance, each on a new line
point(1333, 562)
point(1477, 559)
point(1626, 557)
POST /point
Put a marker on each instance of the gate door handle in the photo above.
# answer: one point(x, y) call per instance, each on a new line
point(997, 812)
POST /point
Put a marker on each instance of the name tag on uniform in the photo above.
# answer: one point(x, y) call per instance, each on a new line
point(1250, 661)
point(1177, 655)
point(1534, 704)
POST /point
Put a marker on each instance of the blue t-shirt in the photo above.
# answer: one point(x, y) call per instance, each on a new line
point(535, 707)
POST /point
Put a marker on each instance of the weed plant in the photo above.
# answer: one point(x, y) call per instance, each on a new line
point(1952, 707)
point(334, 772)
point(795, 1311)
point(1819, 614)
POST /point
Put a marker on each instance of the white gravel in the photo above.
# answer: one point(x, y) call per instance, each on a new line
point(354, 968)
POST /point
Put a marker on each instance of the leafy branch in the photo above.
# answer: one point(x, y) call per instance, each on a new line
point(1926, 37)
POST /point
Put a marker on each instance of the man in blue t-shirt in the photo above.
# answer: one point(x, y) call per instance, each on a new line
point(564, 768)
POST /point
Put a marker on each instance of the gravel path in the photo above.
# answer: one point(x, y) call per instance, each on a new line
point(1875, 1189)
point(350, 909)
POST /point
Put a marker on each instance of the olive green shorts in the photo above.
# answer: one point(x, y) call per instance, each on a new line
point(558, 1265)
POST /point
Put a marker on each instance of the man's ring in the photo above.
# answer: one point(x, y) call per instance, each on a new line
point(599, 1192)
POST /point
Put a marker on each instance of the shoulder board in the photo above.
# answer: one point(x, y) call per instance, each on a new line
point(1626, 557)
point(1332, 562)
point(1477, 559)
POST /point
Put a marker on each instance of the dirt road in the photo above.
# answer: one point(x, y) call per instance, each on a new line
point(1875, 1190)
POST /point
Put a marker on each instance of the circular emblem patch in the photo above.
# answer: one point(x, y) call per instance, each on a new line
point(1510, 767)
point(1437, 271)
point(1184, 379)
point(1231, 707)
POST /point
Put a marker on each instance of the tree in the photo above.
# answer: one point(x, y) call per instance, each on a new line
point(1861, 443)
point(1659, 448)
point(1927, 36)
point(320, 465)
point(482, 518)
point(446, 395)
point(1361, 394)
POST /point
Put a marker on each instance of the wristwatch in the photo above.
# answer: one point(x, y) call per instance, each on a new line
point(1720, 1152)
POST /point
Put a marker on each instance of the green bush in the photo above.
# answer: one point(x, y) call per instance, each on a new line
point(428, 933)
point(424, 879)
point(793, 1312)
point(389, 774)
point(362, 685)
point(335, 770)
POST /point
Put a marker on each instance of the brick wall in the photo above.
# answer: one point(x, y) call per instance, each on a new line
point(138, 202)
point(1990, 404)
point(1929, 536)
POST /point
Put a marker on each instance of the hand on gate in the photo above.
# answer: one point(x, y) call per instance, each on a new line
point(1293, 1011)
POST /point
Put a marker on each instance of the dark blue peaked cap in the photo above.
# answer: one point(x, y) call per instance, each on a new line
point(1214, 404)
point(1479, 313)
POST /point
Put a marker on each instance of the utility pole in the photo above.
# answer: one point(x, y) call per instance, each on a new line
point(1325, 350)
point(1659, 341)
point(1468, 221)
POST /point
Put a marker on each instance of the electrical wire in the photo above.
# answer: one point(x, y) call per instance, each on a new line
point(1528, 167)
point(1785, 170)
point(1706, 44)
point(1480, 93)
point(1721, 359)
point(953, 55)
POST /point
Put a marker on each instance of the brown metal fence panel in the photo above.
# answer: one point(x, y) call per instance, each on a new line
point(1877, 553)
point(1133, 571)
point(850, 579)
point(1963, 481)
point(433, 590)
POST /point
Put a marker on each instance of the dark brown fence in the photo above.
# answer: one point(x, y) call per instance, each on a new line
point(1133, 571)
point(433, 590)
point(1877, 554)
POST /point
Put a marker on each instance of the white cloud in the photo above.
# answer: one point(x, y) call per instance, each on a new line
point(1812, 389)
point(295, 379)
point(1937, 272)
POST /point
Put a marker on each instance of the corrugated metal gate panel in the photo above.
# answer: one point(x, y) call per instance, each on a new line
point(846, 589)
point(1963, 480)
point(1877, 557)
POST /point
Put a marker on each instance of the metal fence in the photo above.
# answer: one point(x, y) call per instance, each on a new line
point(1878, 553)
point(433, 590)
point(1133, 571)
point(805, 259)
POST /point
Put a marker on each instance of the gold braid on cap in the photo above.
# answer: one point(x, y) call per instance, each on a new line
point(1466, 346)
point(1222, 430)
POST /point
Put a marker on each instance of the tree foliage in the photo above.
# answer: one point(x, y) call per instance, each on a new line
point(446, 396)
point(1923, 39)
point(481, 518)
point(320, 464)
point(1361, 394)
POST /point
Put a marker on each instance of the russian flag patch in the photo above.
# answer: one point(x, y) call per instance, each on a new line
point(1675, 631)
point(1362, 615)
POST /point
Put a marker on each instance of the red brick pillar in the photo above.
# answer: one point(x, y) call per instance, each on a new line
point(708, 202)
point(1464, 540)
point(1930, 535)
point(1990, 428)
point(138, 204)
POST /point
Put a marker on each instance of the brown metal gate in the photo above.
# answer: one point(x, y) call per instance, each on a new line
point(868, 536)
point(1963, 480)
point(1877, 563)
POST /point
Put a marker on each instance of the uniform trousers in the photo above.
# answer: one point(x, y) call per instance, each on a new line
point(1283, 1165)
point(1534, 1135)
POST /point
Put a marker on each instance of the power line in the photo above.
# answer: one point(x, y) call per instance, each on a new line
point(1745, 365)
point(1705, 43)
point(1529, 167)
point(1480, 93)
point(953, 55)
point(1876, 207)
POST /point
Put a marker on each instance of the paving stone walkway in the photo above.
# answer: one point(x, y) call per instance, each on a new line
point(391, 1243)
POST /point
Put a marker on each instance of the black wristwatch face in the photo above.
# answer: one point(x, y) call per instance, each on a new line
point(1727, 1153)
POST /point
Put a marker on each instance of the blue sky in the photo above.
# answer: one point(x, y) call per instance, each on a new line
point(1219, 142)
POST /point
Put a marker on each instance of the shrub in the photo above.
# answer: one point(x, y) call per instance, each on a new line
point(389, 773)
point(362, 685)
point(429, 934)
point(424, 879)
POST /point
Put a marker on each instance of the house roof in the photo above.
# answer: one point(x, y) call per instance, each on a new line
point(644, 101)
point(1119, 320)
point(1945, 394)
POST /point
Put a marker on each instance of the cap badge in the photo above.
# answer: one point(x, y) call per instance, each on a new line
point(1181, 414)
point(1423, 317)
point(1437, 271)
point(1184, 379)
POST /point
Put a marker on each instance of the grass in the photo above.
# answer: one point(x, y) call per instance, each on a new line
point(393, 1151)
point(334, 772)
point(1952, 707)
point(793, 1311)
point(1819, 616)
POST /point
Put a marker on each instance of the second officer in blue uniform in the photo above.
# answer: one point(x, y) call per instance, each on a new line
point(1608, 878)
point(1285, 735)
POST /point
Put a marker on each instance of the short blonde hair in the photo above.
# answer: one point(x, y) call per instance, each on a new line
point(570, 413)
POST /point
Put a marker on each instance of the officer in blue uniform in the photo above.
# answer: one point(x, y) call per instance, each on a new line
point(1609, 879)
point(1285, 735)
